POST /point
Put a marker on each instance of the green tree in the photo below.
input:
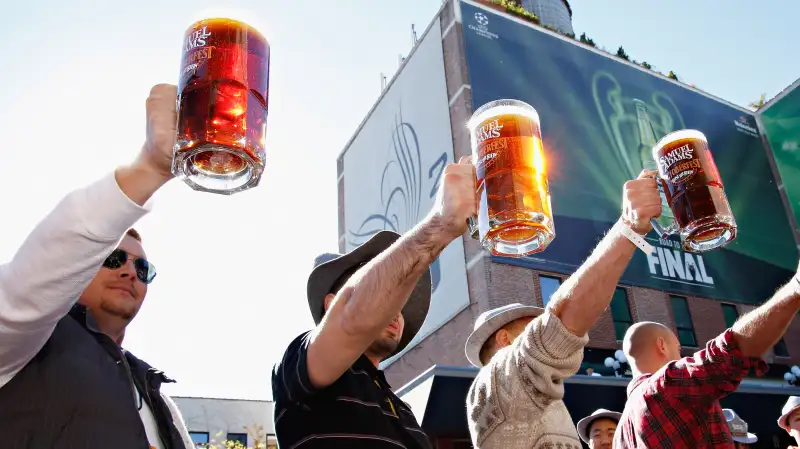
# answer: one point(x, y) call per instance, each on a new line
point(760, 103)
point(621, 53)
point(587, 40)
point(672, 75)
point(646, 65)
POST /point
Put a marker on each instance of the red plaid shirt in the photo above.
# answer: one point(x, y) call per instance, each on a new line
point(678, 406)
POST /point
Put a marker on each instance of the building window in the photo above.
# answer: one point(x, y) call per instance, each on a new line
point(238, 438)
point(200, 439)
point(731, 314)
point(621, 312)
point(683, 321)
point(548, 285)
point(780, 349)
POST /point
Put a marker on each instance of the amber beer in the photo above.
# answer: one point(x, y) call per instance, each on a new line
point(514, 217)
point(694, 192)
point(222, 106)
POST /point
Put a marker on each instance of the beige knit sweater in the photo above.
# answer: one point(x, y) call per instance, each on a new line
point(516, 402)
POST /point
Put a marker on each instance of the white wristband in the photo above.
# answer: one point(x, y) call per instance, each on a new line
point(635, 238)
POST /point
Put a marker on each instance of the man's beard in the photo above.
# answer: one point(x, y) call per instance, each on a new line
point(382, 347)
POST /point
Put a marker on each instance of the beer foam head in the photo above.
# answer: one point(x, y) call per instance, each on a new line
point(679, 135)
point(502, 107)
point(248, 17)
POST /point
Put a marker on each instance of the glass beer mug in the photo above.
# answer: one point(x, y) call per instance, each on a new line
point(693, 189)
point(222, 106)
point(514, 216)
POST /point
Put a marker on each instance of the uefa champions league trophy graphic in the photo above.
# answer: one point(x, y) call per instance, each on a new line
point(647, 140)
point(633, 127)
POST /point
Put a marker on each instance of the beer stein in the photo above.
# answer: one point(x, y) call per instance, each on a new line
point(514, 216)
point(689, 180)
point(222, 106)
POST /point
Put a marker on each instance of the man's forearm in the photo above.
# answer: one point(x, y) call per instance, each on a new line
point(581, 300)
point(759, 330)
point(139, 182)
point(381, 288)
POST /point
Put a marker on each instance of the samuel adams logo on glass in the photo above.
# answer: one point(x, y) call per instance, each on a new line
point(680, 163)
point(514, 218)
point(222, 106)
point(195, 40)
point(694, 192)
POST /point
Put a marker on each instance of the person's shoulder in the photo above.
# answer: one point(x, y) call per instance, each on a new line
point(140, 368)
point(136, 362)
point(482, 385)
point(296, 347)
point(290, 368)
point(299, 342)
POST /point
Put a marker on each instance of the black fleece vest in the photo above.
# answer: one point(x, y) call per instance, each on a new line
point(78, 393)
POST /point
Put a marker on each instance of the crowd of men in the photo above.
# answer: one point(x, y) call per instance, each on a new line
point(78, 280)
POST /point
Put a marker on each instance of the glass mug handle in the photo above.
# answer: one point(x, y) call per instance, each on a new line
point(671, 228)
point(472, 228)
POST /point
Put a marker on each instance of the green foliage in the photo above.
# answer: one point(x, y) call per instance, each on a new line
point(514, 7)
point(673, 75)
point(256, 432)
point(621, 54)
point(587, 40)
point(760, 103)
point(646, 65)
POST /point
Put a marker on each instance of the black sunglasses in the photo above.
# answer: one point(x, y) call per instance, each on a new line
point(145, 271)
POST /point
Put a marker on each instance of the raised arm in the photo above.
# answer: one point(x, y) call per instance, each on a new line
point(62, 254)
point(374, 296)
point(581, 300)
point(759, 330)
point(717, 370)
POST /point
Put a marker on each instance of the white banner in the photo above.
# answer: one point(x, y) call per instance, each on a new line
point(392, 169)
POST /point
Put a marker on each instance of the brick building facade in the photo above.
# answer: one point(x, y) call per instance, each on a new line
point(493, 282)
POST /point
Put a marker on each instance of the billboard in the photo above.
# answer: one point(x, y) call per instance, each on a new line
point(781, 124)
point(392, 168)
point(587, 102)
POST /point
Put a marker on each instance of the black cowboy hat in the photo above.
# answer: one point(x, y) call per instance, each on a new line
point(328, 268)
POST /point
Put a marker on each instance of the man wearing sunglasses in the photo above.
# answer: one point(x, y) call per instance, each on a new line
point(66, 298)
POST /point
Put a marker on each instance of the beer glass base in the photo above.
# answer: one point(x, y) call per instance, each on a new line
point(708, 233)
point(185, 165)
point(519, 248)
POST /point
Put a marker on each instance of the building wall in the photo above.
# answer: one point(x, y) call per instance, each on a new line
point(219, 417)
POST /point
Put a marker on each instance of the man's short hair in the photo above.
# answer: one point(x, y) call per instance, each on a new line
point(135, 234)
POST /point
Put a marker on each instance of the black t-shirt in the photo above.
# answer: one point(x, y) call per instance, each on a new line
point(359, 410)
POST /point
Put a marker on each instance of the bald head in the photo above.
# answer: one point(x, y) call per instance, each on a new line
point(649, 346)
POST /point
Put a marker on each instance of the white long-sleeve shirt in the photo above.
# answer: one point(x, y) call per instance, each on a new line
point(54, 265)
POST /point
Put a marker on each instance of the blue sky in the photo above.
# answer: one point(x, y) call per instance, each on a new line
point(231, 290)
